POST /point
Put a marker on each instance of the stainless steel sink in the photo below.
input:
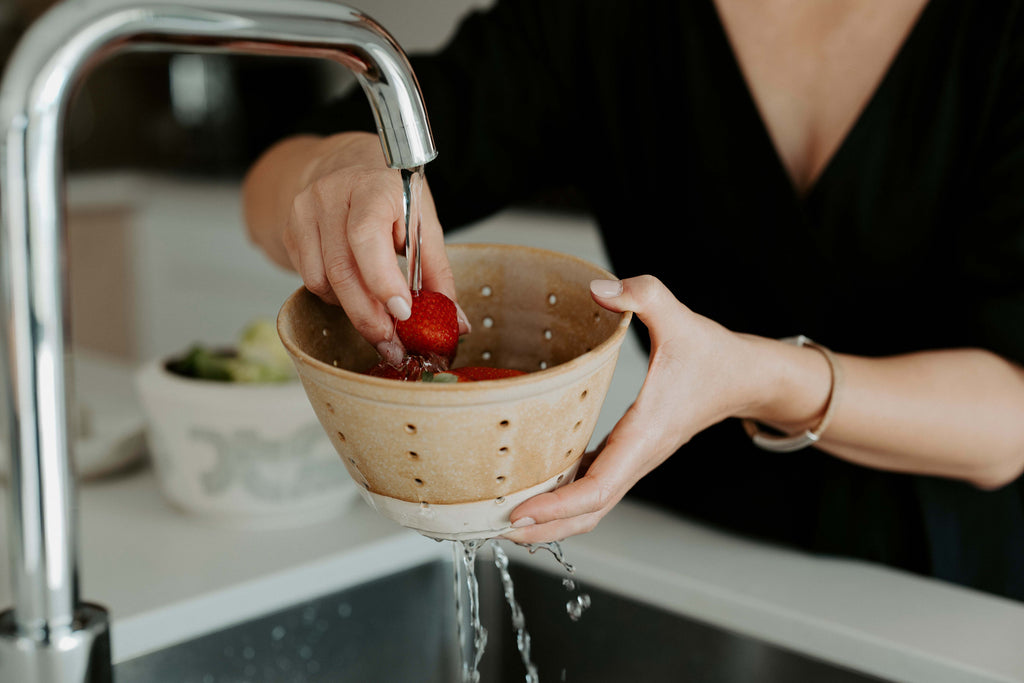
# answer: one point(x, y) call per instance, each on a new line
point(402, 629)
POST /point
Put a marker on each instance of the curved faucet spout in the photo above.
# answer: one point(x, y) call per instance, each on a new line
point(47, 64)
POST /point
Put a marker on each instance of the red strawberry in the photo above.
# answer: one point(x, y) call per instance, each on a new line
point(480, 373)
point(433, 327)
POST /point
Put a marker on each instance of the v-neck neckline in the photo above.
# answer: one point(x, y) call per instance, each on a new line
point(801, 198)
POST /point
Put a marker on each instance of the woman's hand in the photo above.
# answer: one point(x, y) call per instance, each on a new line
point(951, 413)
point(699, 374)
point(330, 209)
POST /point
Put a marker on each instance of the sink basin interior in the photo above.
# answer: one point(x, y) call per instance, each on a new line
point(402, 628)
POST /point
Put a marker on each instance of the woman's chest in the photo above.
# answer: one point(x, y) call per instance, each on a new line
point(812, 68)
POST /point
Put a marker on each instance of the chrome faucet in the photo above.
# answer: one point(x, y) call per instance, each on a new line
point(49, 635)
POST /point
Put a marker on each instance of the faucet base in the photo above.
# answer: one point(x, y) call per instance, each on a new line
point(76, 654)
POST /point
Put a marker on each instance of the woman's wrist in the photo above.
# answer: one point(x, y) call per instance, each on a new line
point(791, 384)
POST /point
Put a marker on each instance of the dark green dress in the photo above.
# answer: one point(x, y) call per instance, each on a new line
point(913, 237)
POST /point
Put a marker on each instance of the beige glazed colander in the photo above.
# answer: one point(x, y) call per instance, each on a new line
point(453, 460)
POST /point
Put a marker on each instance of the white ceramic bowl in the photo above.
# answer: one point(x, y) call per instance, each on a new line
point(249, 455)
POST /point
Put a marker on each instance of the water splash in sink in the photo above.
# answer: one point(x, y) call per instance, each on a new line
point(465, 554)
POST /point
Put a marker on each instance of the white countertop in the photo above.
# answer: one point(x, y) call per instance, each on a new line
point(166, 576)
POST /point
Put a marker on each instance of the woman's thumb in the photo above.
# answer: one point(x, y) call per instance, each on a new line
point(645, 295)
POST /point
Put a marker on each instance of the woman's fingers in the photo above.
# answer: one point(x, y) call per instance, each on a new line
point(653, 427)
point(301, 240)
point(375, 205)
point(608, 475)
point(343, 233)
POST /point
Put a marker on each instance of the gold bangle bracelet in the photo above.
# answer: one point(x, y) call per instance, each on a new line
point(788, 444)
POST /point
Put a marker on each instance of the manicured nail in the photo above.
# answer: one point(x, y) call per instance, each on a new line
point(606, 289)
point(523, 522)
point(391, 351)
point(464, 326)
point(399, 308)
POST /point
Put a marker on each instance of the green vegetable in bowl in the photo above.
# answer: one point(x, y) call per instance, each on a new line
point(259, 357)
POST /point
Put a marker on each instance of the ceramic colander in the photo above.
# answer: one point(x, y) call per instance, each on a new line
point(453, 460)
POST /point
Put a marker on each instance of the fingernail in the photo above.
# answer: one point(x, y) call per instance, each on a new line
point(523, 522)
point(399, 308)
point(606, 289)
point(391, 351)
point(464, 326)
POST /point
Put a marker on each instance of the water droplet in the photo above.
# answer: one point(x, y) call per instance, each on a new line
point(575, 608)
point(344, 610)
point(278, 633)
point(248, 652)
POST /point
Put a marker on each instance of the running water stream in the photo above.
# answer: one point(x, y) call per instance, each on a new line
point(412, 184)
point(471, 651)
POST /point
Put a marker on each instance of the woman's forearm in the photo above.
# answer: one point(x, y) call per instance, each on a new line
point(954, 413)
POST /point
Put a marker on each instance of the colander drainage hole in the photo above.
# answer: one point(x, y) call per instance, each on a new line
point(486, 355)
point(413, 455)
point(577, 425)
point(330, 408)
point(568, 453)
point(503, 450)
point(499, 500)
point(500, 479)
point(584, 394)
point(486, 290)
point(488, 321)
point(560, 478)
point(503, 424)
point(341, 436)
point(419, 482)
point(410, 429)
point(552, 299)
point(543, 365)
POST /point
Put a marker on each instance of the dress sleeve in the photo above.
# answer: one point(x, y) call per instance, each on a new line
point(501, 99)
point(992, 236)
